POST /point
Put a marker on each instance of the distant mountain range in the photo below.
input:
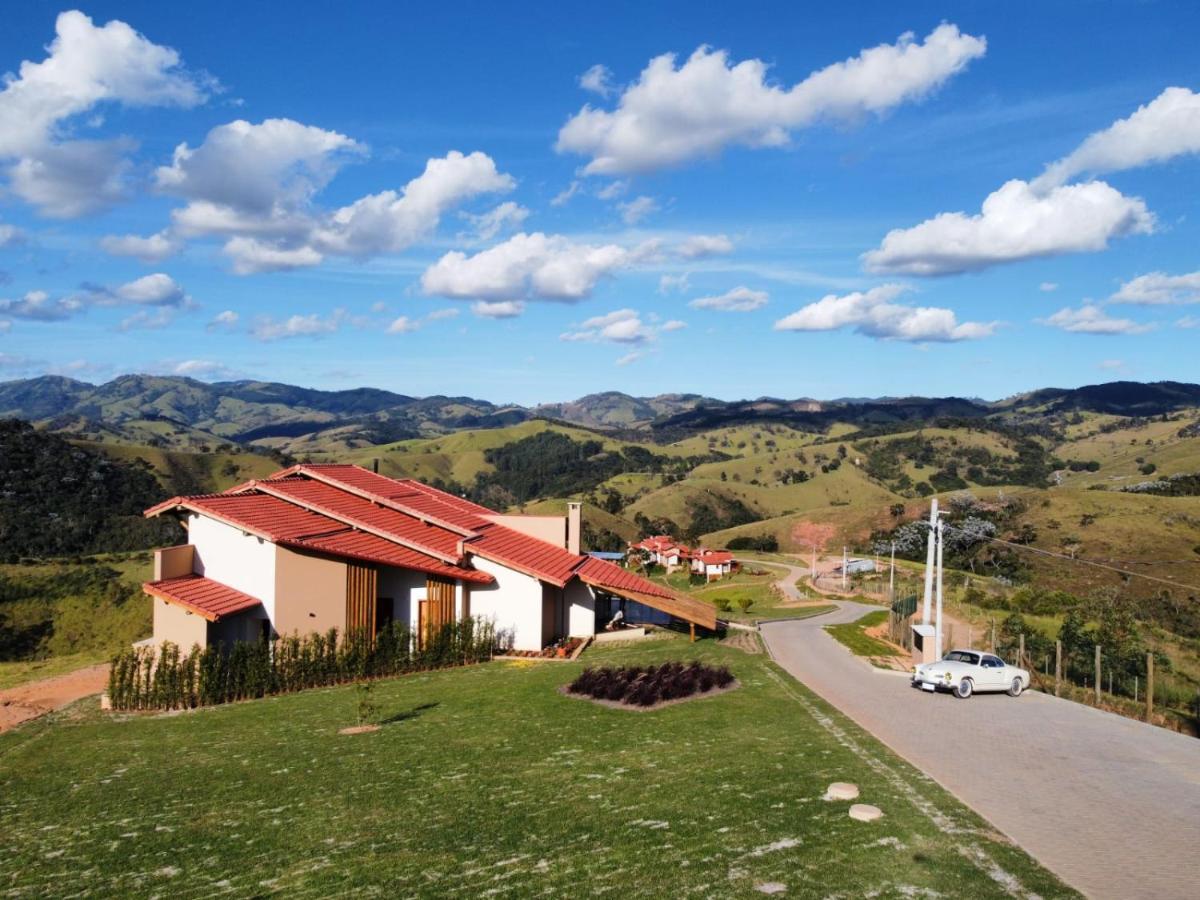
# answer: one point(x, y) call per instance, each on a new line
point(176, 410)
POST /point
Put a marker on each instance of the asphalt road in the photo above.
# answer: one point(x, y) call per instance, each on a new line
point(1109, 804)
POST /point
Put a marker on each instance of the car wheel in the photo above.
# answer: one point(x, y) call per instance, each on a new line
point(965, 688)
point(1016, 688)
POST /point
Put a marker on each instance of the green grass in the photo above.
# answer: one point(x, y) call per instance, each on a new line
point(17, 673)
point(488, 780)
point(853, 635)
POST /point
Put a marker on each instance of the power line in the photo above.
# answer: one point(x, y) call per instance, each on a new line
point(1081, 561)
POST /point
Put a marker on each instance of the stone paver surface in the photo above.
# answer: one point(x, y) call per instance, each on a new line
point(1109, 804)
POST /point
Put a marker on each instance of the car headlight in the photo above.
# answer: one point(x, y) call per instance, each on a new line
point(947, 676)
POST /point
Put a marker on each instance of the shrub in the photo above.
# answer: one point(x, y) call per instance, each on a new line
point(146, 678)
point(744, 603)
point(649, 685)
point(722, 603)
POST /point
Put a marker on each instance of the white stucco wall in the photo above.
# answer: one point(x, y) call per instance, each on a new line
point(581, 609)
point(513, 603)
point(230, 556)
point(406, 587)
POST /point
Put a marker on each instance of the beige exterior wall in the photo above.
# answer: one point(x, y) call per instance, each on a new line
point(174, 562)
point(177, 625)
point(551, 529)
point(581, 609)
point(310, 593)
point(513, 603)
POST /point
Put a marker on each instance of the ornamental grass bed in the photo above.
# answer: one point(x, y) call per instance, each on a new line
point(650, 687)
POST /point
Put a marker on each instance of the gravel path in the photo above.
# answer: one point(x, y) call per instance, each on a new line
point(1111, 805)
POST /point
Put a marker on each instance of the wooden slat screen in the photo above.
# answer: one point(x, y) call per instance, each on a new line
point(437, 609)
point(361, 591)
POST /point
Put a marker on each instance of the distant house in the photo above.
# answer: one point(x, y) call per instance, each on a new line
point(856, 567)
point(672, 555)
point(712, 563)
point(315, 547)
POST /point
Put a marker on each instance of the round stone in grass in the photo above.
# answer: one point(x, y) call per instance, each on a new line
point(864, 812)
point(841, 790)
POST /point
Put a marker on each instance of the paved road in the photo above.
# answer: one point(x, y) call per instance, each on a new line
point(1109, 804)
point(787, 583)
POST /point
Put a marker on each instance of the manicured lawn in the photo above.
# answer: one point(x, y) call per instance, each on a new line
point(854, 636)
point(488, 781)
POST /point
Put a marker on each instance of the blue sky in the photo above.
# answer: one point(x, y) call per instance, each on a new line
point(530, 205)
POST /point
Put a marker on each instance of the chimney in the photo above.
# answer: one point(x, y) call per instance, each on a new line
point(574, 526)
point(375, 465)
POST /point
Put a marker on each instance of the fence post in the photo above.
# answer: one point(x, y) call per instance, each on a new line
point(1149, 686)
point(1021, 650)
point(1097, 674)
point(1057, 666)
point(992, 645)
point(969, 645)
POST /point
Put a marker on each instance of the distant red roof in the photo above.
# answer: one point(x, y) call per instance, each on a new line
point(202, 596)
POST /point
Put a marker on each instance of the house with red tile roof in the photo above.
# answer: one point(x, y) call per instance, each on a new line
point(671, 555)
point(315, 547)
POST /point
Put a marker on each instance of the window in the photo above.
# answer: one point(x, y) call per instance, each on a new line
point(991, 662)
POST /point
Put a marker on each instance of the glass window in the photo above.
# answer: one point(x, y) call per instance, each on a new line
point(963, 657)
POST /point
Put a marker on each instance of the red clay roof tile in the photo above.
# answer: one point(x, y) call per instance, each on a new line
point(201, 595)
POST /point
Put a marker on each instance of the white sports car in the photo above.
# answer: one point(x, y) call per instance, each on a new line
point(966, 671)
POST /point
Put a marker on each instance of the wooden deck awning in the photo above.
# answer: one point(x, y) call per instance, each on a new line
point(623, 583)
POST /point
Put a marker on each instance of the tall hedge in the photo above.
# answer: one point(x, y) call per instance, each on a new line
point(166, 678)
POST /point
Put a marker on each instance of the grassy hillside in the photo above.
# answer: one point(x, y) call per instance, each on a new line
point(182, 472)
point(487, 780)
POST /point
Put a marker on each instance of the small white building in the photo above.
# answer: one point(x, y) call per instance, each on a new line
point(316, 547)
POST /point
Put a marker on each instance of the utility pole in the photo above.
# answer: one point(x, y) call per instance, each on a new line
point(937, 628)
point(927, 598)
point(813, 571)
point(892, 576)
point(844, 562)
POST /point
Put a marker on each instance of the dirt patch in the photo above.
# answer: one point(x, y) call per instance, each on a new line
point(28, 701)
point(746, 641)
point(633, 707)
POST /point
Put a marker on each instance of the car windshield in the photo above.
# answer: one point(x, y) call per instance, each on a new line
point(963, 657)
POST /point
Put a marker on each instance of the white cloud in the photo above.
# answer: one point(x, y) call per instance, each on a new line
point(226, 320)
point(85, 66)
point(5, 326)
point(637, 209)
point(671, 114)
point(670, 283)
point(498, 309)
point(1092, 319)
point(613, 189)
point(505, 216)
point(1159, 288)
point(158, 289)
point(157, 317)
point(1047, 287)
point(403, 325)
point(874, 314)
point(622, 326)
point(266, 328)
point(152, 249)
point(203, 369)
point(251, 256)
point(10, 234)
point(1015, 223)
point(39, 306)
point(673, 325)
point(699, 246)
point(1112, 365)
point(276, 164)
point(534, 266)
point(1188, 322)
point(389, 222)
point(1167, 127)
point(449, 312)
point(566, 193)
point(740, 299)
point(256, 185)
point(598, 80)
point(631, 357)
